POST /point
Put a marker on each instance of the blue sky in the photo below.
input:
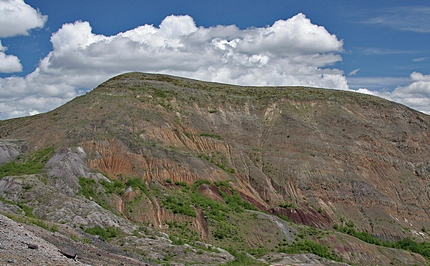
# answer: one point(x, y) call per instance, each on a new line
point(54, 50)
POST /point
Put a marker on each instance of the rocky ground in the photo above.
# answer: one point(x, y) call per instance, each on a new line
point(20, 246)
point(23, 244)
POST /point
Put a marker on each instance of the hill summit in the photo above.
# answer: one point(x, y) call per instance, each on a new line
point(209, 172)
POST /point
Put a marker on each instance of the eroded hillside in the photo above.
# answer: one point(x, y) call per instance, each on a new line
point(266, 171)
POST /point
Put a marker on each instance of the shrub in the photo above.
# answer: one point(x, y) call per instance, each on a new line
point(241, 258)
point(198, 183)
point(214, 136)
point(179, 205)
point(311, 247)
point(109, 232)
point(88, 187)
point(136, 183)
point(116, 186)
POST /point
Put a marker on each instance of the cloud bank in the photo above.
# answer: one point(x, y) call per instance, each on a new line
point(415, 95)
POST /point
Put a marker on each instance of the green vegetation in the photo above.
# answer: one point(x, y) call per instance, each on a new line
point(29, 217)
point(179, 204)
point(222, 216)
point(116, 187)
point(43, 224)
point(287, 205)
point(106, 234)
point(211, 135)
point(185, 201)
point(159, 93)
point(136, 183)
point(219, 160)
point(310, 247)
point(233, 199)
point(241, 258)
point(92, 189)
point(31, 164)
point(422, 248)
point(88, 187)
point(27, 210)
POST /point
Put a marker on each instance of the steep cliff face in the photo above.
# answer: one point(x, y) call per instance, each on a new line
point(319, 157)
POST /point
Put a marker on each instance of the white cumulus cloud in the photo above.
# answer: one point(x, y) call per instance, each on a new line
point(290, 52)
point(415, 95)
point(8, 63)
point(18, 18)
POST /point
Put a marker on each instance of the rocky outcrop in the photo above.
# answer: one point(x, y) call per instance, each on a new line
point(65, 168)
point(10, 149)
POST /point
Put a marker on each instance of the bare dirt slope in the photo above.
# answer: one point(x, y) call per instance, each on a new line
point(321, 158)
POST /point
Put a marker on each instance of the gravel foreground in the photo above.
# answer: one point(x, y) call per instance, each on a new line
point(24, 244)
point(19, 246)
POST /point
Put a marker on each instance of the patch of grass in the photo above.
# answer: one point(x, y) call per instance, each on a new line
point(159, 93)
point(43, 224)
point(7, 201)
point(29, 216)
point(218, 160)
point(422, 248)
point(179, 204)
point(136, 183)
point(311, 247)
point(104, 233)
point(241, 258)
point(88, 187)
point(32, 164)
point(27, 210)
point(91, 189)
point(234, 201)
point(116, 186)
point(177, 240)
point(198, 183)
point(211, 135)
point(288, 205)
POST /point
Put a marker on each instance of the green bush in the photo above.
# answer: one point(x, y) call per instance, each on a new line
point(88, 187)
point(311, 247)
point(27, 210)
point(116, 186)
point(109, 232)
point(214, 136)
point(198, 183)
point(180, 205)
point(136, 183)
point(408, 244)
point(422, 248)
point(234, 200)
point(241, 258)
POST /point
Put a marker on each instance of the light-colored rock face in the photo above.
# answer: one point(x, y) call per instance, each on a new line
point(10, 149)
point(318, 157)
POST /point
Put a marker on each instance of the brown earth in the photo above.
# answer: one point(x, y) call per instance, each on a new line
point(319, 157)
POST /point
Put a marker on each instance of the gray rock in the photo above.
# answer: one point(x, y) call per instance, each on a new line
point(10, 149)
point(69, 252)
point(32, 246)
